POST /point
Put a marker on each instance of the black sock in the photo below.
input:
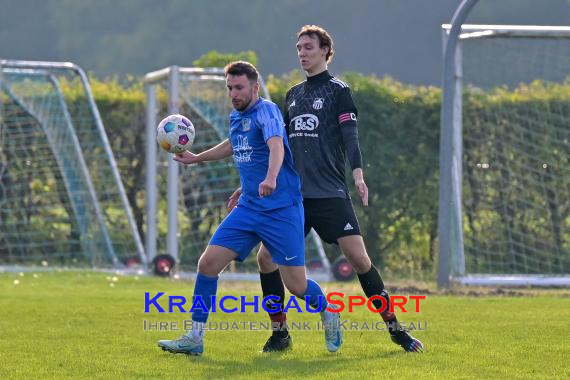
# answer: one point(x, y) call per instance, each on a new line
point(272, 285)
point(373, 285)
point(394, 327)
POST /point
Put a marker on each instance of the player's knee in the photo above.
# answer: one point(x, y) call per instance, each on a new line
point(297, 288)
point(358, 258)
point(206, 265)
point(361, 263)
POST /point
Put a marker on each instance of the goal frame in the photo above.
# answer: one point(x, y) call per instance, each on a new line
point(451, 265)
point(43, 68)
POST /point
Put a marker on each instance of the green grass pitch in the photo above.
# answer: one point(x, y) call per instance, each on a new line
point(90, 325)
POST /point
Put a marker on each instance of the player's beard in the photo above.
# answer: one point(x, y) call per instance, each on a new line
point(244, 104)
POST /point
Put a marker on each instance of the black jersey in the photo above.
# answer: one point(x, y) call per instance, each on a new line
point(315, 111)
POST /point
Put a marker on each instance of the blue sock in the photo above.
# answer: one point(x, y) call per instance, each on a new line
point(205, 287)
point(317, 298)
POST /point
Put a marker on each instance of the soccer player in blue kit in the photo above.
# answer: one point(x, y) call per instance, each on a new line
point(270, 209)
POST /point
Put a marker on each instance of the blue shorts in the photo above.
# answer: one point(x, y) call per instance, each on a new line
point(281, 231)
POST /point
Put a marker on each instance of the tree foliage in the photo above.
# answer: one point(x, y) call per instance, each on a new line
point(216, 59)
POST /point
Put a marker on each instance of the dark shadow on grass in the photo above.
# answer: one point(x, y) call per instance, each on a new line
point(284, 364)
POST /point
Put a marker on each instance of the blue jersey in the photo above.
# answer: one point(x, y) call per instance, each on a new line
point(249, 132)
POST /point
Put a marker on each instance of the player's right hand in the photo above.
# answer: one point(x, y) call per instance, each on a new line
point(362, 190)
point(267, 187)
point(186, 158)
point(232, 201)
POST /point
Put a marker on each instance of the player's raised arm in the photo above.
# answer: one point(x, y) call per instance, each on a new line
point(276, 154)
point(220, 151)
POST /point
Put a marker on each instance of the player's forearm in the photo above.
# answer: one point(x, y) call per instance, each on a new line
point(276, 154)
point(351, 145)
point(220, 151)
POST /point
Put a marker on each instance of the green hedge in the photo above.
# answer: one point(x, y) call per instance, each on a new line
point(399, 136)
point(399, 129)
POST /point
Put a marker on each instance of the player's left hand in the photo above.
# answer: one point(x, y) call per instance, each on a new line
point(362, 191)
point(233, 199)
point(267, 187)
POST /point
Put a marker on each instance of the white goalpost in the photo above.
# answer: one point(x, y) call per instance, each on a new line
point(504, 213)
point(62, 200)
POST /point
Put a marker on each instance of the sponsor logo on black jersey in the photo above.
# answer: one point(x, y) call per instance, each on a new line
point(305, 122)
point(318, 103)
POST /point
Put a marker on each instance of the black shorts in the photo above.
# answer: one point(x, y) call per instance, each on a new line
point(331, 218)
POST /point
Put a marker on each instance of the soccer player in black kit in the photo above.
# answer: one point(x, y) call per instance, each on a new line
point(321, 121)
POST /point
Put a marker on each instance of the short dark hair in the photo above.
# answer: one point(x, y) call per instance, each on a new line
point(242, 68)
point(324, 37)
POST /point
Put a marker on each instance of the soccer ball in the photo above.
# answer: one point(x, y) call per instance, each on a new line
point(175, 134)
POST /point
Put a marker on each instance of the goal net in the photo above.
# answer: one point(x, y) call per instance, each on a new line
point(62, 202)
point(515, 173)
